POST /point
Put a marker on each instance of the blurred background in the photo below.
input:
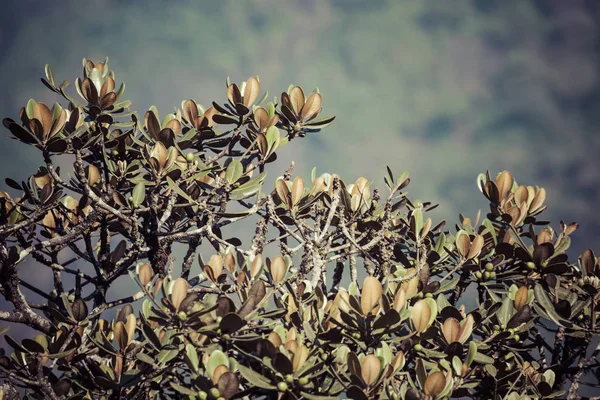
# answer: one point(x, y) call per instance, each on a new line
point(445, 90)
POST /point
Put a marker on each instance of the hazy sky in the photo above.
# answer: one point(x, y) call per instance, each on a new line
point(445, 90)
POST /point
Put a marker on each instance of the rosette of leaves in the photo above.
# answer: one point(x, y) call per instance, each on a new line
point(42, 127)
point(298, 113)
point(98, 86)
point(365, 317)
point(241, 98)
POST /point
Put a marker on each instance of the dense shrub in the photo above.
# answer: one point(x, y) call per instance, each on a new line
point(340, 290)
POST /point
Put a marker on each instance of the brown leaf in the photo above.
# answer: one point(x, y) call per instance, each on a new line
point(174, 125)
point(42, 113)
point(284, 193)
point(89, 91)
point(59, 124)
point(152, 124)
point(229, 262)
point(370, 294)
point(218, 372)
point(434, 384)
point(466, 329)
point(190, 111)
point(179, 292)
point(275, 339)
point(251, 91)
point(297, 190)
point(420, 315)
point(130, 327)
point(233, 94)
point(521, 297)
point(538, 200)
point(108, 86)
point(145, 273)
point(261, 118)
point(263, 145)
point(451, 330)
point(278, 269)
point(354, 365)
point(228, 385)
point(399, 300)
point(476, 247)
point(256, 266)
point(120, 334)
point(255, 295)
point(312, 106)
point(521, 195)
point(463, 244)
point(504, 183)
point(412, 285)
point(300, 357)
point(297, 99)
point(216, 265)
point(398, 361)
point(92, 174)
point(370, 368)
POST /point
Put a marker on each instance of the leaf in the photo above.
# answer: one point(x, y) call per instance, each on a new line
point(179, 292)
point(151, 336)
point(178, 190)
point(183, 390)
point(145, 358)
point(283, 192)
point(308, 396)
point(251, 91)
point(234, 171)
point(216, 358)
point(370, 368)
point(228, 384)
point(505, 312)
point(421, 315)
point(483, 359)
point(192, 355)
point(371, 294)
point(255, 378)
point(138, 194)
point(548, 306)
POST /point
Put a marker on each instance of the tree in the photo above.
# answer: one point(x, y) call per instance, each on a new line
point(342, 290)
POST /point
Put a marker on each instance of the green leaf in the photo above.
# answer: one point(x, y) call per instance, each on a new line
point(448, 285)
point(418, 216)
point(483, 359)
point(192, 355)
point(490, 228)
point(49, 74)
point(29, 108)
point(145, 358)
point(457, 365)
point(401, 179)
point(316, 396)
point(216, 358)
point(234, 171)
point(545, 303)
point(178, 190)
point(505, 312)
point(272, 135)
point(164, 356)
point(182, 389)
point(255, 378)
point(138, 194)
point(471, 353)
point(248, 189)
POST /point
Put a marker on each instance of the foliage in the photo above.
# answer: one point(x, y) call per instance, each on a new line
point(272, 318)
